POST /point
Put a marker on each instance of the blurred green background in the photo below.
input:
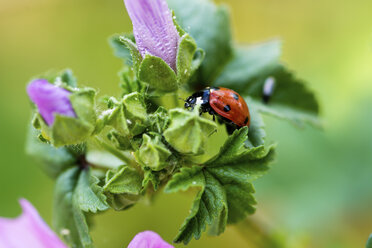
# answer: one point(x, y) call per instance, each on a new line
point(319, 192)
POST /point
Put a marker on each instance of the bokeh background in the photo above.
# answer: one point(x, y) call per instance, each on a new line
point(319, 192)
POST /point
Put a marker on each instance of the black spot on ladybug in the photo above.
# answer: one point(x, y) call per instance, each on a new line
point(236, 97)
point(227, 108)
point(246, 120)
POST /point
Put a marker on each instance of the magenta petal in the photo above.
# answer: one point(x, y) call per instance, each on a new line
point(28, 230)
point(50, 100)
point(148, 239)
point(154, 29)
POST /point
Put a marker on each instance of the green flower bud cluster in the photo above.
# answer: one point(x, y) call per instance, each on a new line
point(116, 151)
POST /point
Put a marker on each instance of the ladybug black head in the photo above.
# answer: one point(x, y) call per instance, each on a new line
point(190, 102)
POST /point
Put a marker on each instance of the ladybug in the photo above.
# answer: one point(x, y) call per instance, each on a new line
point(224, 103)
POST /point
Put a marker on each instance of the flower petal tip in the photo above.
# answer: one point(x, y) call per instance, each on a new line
point(148, 239)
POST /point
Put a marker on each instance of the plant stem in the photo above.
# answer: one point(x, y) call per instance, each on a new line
point(257, 235)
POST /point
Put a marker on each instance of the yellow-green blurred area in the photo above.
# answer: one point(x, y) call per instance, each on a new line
point(318, 193)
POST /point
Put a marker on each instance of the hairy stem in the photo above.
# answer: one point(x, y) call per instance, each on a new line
point(257, 235)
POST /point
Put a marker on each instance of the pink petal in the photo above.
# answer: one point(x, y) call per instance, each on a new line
point(50, 100)
point(27, 231)
point(148, 239)
point(154, 29)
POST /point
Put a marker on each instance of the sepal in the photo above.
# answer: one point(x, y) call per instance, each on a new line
point(188, 131)
point(136, 112)
point(64, 77)
point(153, 153)
point(159, 120)
point(128, 117)
point(123, 187)
point(156, 72)
point(135, 54)
point(69, 130)
point(189, 58)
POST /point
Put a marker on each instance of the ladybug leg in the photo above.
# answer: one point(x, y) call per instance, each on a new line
point(230, 128)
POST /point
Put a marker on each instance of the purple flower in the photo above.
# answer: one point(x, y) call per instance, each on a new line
point(148, 239)
point(28, 230)
point(154, 29)
point(50, 100)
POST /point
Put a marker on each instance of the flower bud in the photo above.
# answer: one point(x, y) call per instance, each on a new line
point(64, 117)
point(154, 30)
point(50, 100)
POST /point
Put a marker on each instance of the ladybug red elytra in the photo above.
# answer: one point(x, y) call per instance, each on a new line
point(222, 102)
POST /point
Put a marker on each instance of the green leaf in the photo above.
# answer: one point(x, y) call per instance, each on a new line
point(291, 100)
point(256, 134)
point(151, 177)
point(232, 147)
point(188, 131)
point(248, 72)
point(209, 205)
point(125, 180)
point(369, 242)
point(209, 25)
point(123, 187)
point(157, 73)
point(121, 202)
point(225, 186)
point(54, 160)
point(89, 195)
point(153, 153)
point(68, 219)
point(249, 63)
